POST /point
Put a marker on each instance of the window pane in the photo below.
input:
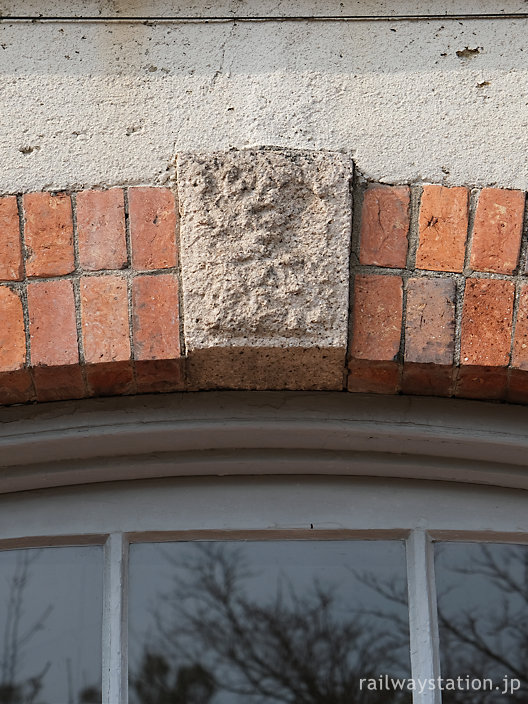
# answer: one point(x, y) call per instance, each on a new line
point(50, 625)
point(483, 620)
point(274, 622)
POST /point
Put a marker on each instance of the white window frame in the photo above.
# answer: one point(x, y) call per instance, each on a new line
point(117, 515)
point(263, 466)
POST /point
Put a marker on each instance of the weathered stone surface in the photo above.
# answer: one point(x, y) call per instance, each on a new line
point(265, 240)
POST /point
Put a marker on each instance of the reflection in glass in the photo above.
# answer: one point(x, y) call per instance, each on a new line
point(296, 622)
point(482, 593)
point(50, 625)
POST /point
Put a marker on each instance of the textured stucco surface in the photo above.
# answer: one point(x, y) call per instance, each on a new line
point(257, 8)
point(101, 104)
point(265, 242)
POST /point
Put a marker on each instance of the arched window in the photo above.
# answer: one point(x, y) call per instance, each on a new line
point(291, 580)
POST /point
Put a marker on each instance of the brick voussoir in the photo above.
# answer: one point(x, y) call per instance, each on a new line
point(91, 293)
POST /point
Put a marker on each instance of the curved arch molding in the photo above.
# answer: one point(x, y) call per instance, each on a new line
point(264, 269)
point(264, 433)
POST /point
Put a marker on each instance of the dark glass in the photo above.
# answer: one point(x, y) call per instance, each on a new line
point(482, 592)
point(297, 622)
point(50, 625)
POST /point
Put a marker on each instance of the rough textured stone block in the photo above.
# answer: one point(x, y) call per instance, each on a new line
point(265, 241)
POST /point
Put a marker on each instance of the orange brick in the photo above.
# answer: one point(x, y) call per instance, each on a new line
point(159, 376)
point(156, 331)
point(442, 225)
point(52, 325)
point(11, 268)
point(385, 226)
point(16, 387)
point(427, 380)
point(377, 315)
point(518, 386)
point(110, 378)
point(58, 383)
point(12, 331)
point(430, 321)
point(104, 315)
point(482, 383)
point(520, 340)
point(101, 229)
point(48, 233)
point(373, 377)
point(487, 322)
point(497, 231)
point(153, 223)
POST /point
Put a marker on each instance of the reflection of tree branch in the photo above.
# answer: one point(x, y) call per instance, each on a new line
point(480, 640)
point(12, 692)
point(476, 641)
point(291, 649)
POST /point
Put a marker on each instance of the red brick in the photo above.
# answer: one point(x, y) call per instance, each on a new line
point(517, 386)
point(520, 340)
point(442, 225)
point(52, 323)
point(497, 231)
point(427, 380)
point(373, 377)
point(48, 233)
point(16, 387)
point(377, 315)
point(487, 322)
point(159, 376)
point(58, 383)
point(430, 321)
point(110, 379)
point(12, 331)
point(385, 226)
point(482, 383)
point(104, 314)
point(101, 229)
point(153, 222)
point(156, 331)
point(11, 268)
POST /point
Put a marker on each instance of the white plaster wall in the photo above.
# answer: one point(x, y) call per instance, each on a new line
point(86, 104)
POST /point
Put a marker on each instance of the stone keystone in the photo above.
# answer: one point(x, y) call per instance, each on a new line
point(265, 243)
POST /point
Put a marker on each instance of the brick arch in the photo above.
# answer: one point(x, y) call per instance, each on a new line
point(91, 284)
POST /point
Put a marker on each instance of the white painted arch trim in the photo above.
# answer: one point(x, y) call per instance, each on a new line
point(262, 433)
